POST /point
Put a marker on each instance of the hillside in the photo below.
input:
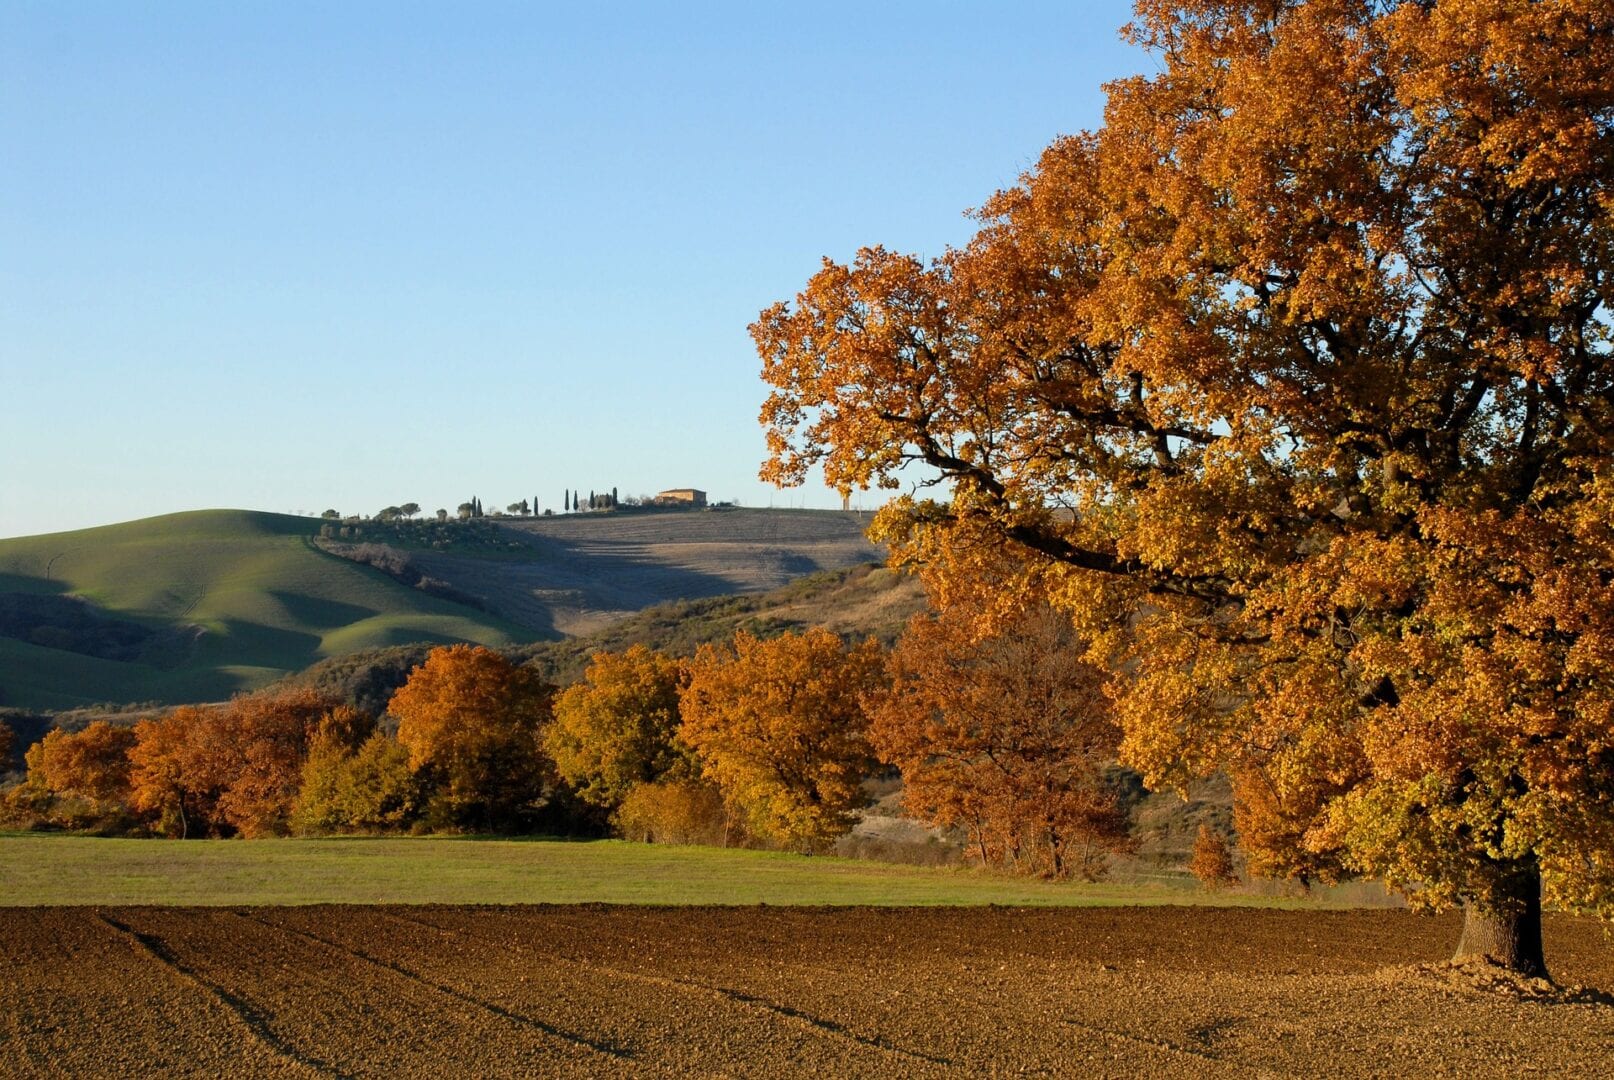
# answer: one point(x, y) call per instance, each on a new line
point(586, 571)
point(859, 601)
point(196, 606)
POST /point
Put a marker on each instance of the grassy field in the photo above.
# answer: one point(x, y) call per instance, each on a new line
point(54, 869)
point(265, 602)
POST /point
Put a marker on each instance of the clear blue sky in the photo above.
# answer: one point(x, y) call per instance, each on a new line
point(293, 256)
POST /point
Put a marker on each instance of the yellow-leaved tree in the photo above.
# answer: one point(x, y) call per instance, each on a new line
point(1292, 384)
point(779, 726)
point(618, 728)
point(355, 778)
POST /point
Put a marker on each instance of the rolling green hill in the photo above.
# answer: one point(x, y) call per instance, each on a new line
point(196, 606)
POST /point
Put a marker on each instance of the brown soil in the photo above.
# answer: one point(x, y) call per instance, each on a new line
point(594, 991)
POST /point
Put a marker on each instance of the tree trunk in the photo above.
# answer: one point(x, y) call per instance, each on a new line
point(1504, 927)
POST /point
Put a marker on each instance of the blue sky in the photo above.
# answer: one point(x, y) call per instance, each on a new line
point(294, 256)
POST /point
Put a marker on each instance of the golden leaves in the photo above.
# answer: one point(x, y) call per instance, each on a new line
point(780, 729)
point(472, 719)
point(619, 726)
point(1292, 385)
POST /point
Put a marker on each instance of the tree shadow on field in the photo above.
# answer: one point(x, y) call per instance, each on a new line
point(1483, 978)
point(29, 584)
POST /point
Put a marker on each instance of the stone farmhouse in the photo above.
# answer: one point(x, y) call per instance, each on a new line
point(682, 497)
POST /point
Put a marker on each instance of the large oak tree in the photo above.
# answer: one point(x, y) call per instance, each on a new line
point(1292, 384)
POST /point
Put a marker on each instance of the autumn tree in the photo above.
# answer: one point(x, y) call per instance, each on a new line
point(1006, 735)
point(619, 726)
point(471, 721)
point(87, 770)
point(252, 752)
point(1212, 860)
point(1292, 384)
point(223, 770)
point(163, 777)
point(355, 778)
point(674, 812)
point(779, 726)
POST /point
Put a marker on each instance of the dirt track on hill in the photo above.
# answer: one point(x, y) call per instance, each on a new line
point(594, 991)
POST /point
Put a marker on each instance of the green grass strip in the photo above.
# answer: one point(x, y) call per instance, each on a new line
point(57, 869)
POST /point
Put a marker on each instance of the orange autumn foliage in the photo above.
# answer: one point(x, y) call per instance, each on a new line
point(779, 727)
point(471, 722)
point(256, 752)
point(164, 773)
point(1212, 861)
point(1292, 383)
point(228, 769)
point(89, 767)
point(1005, 735)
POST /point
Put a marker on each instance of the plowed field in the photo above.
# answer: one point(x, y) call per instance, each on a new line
point(596, 991)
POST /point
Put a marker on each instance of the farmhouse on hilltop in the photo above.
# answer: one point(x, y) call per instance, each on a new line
point(682, 497)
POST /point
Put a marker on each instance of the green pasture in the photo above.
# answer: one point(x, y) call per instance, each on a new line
point(268, 602)
point(46, 869)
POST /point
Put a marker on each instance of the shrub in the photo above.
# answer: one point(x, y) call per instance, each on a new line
point(673, 813)
point(1212, 862)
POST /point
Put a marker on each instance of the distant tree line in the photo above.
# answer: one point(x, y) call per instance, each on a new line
point(762, 742)
point(574, 502)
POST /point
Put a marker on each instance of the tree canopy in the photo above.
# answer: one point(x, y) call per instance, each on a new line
point(1291, 383)
point(780, 729)
point(225, 769)
point(91, 765)
point(1005, 735)
point(619, 727)
point(471, 721)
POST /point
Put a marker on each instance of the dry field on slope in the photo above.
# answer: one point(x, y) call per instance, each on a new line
point(587, 570)
point(602, 991)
